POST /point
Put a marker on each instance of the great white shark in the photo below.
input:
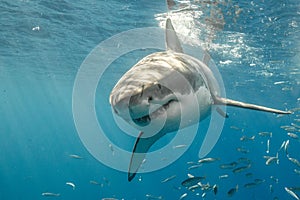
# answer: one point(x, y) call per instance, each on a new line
point(143, 95)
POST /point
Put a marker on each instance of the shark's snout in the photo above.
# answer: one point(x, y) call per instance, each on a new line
point(133, 109)
point(140, 107)
point(133, 106)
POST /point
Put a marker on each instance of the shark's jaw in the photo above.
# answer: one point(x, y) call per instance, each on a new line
point(151, 104)
point(146, 119)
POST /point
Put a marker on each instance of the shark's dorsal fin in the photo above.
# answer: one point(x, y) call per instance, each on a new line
point(172, 41)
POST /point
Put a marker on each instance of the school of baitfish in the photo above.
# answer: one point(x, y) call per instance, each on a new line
point(198, 185)
point(237, 167)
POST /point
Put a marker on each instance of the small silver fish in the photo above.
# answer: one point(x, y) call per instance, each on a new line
point(190, 175)
point(149, 196)
point(244, 160)
point(193, 187)
point(282, 146)
point(268, 146)
point(245, 138)
point(286, 146)
point(110, 146)
point(232, 191)
point(240, 169)
point(265, 134)
point(235, 128)
point(168, 179)
point(242, 150)
point(191, 163)
point(288, 128)
point(50, 194)
point(208, 160)
point(273, 159)
point(271, 188)
point(75, 156)
point(295, 125)
point(250, 185)
point(259, 181)
point(71, 184)
point(223, 176)
point(285, 126)
point(279, 82)
point(297, 171)
point(293, 194)
point(228, 165)
point(182, 196)
point(295, 161)
point(215, 189)
point(179, 146)
point(192, 181)
point(267, 157)
point(194, 166)
point(293, 135)
point(109, 198)
point(94, 182)
point(204, 186)
point(37, 28)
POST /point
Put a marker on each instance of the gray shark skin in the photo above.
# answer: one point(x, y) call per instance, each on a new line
point(159, 86)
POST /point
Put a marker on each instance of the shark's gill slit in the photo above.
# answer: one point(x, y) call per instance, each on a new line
point(142, 90)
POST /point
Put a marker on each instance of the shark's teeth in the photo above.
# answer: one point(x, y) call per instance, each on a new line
point(142, 121)
point(145, 120)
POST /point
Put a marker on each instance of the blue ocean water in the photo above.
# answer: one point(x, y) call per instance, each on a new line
point(255, 45)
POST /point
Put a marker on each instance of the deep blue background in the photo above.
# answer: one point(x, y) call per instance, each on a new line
point(38, 69)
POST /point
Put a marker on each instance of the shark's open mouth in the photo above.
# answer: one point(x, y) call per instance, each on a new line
point(145, 120)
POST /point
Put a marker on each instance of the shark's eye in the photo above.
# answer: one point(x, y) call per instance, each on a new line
point(150, 98)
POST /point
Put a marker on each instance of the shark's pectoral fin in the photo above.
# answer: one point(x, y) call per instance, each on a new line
point(141, 147)
point(229, 102)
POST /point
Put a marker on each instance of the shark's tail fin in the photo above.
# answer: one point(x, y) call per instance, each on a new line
point(229, 102)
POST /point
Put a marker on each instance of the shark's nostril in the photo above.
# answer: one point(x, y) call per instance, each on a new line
point(159, 86)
